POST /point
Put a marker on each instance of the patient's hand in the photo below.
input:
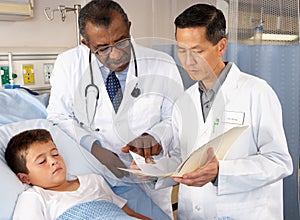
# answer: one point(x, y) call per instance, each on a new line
point(109, 159)
point(132, 213)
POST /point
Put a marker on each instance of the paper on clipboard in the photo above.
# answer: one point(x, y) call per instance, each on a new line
point(160, 168)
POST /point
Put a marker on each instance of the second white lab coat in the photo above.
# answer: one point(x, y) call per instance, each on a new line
point(250, 176)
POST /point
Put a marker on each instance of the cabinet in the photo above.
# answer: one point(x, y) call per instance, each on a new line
point(16, 10)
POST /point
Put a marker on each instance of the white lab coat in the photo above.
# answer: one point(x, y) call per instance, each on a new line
point(250, 176)
point(160, 84)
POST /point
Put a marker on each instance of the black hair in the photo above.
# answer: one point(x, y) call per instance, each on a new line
point(203, 15)
point(18, 146)
point(99, 12)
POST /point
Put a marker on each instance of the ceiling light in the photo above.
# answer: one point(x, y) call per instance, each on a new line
point(278, 37)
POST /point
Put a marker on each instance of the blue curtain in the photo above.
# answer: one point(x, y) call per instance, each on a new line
point(279, 66)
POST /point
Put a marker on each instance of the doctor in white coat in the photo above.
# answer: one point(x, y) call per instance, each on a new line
point(247, 183)
point(149, 84)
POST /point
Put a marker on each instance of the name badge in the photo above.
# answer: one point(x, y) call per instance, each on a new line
point(233, 117)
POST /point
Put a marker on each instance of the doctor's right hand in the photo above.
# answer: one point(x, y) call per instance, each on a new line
point(144, 145)
point(109, 159)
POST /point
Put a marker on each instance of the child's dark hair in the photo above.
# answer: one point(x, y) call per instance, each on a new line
point(18, 146)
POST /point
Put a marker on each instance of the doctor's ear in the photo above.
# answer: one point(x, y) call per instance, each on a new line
point(23, 177)
point(222, 46)
point(83, 41)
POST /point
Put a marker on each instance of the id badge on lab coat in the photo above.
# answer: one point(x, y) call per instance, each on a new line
point(233, 117)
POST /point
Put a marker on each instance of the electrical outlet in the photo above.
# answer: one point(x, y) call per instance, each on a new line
point(48, 68)
point(28, 74)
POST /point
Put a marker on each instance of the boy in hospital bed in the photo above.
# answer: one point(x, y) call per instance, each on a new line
point(34, 158)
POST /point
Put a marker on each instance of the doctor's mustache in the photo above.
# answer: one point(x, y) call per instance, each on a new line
point(115, 62)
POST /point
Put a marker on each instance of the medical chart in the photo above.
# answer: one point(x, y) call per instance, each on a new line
point(160, 168)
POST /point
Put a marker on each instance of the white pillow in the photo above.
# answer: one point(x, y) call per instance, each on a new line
point(77, 159)
point(19, 105)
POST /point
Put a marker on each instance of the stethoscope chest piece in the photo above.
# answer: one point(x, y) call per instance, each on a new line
point(136, 92)
point(92, 88)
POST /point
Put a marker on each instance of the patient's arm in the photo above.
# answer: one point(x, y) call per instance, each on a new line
point(134, 214)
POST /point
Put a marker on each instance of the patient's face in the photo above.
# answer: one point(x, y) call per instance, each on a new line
point(46, 167)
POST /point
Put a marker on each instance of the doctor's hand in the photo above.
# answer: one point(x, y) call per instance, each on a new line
point(144, 145)
point(202, 175)
point(109, 159)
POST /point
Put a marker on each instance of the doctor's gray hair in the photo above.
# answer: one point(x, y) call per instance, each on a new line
point(203, 15)
point(100, 13)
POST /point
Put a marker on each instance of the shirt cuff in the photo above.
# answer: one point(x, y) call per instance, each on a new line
point(158, 141)
point(87, 142)
point(154, 136)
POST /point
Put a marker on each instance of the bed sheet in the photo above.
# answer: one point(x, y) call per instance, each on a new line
point(95, 210)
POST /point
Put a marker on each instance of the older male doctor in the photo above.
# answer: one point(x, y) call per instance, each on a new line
point(113, 95)
point(247, 183)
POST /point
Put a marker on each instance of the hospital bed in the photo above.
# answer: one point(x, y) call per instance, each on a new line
point(21, 111)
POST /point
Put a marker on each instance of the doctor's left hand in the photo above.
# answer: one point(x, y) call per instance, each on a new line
point(109, 159)
point(203, 175)
point(144, 145)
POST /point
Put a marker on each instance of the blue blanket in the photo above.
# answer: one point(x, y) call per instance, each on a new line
point(95, 210)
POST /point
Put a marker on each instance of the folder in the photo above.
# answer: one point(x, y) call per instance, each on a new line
point(161, 167)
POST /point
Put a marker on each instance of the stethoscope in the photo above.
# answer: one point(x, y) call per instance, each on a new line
point(136, 92)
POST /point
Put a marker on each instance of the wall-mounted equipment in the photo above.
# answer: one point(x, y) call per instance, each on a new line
point(16, 10)
point(28, 74)
point(28, 67)
point(63, 11)
point(264, 22)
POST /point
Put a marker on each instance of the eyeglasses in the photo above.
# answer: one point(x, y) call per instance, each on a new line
point(121, 44)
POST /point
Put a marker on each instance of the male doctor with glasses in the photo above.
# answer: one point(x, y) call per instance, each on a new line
point(112, 95)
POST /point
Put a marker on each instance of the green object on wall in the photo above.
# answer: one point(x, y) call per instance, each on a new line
point(4, 70)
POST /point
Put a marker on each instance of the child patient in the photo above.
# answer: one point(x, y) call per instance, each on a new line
point(34, 158)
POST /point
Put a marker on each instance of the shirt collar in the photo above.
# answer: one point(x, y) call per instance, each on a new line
point(219, 82)
point(105, 71)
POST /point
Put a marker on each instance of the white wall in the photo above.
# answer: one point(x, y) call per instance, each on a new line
point(38, 31)
point(152, 24)
point(150, 18)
